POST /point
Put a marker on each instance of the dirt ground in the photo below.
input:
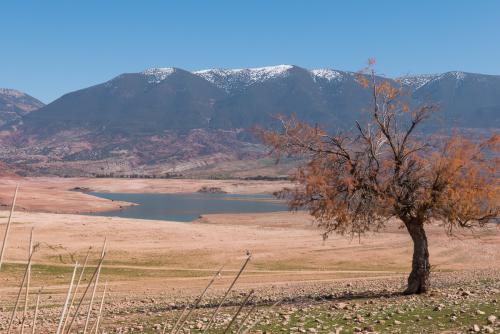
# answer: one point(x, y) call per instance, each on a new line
point(153, 266)
point(148, 256)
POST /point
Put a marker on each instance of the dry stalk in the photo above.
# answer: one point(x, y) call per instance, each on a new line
point(164, 328)
point(35, 316)
point(175, 329)
point(19, 294)
point(254, 306)
point(177, 322)
point(86, 290)
point(98, 321)
point(66, 302)
point(87, 320)
point(30, 250)
point(227, 293)
point(253, 324)
point(7, 228)
point(93, 327)
point(76, 289)
point(239, 311)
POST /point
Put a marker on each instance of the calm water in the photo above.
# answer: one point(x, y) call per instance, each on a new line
point(188, 207)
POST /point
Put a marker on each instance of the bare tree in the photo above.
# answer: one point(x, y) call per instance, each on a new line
point(355, 181)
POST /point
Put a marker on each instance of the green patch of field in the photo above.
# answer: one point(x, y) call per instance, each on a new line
point(350, 265)
point(44, 274)
point(405, 317)
point(290, 264)
point(392, 315)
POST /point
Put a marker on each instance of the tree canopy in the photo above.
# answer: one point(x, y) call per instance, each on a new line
point(355, 181)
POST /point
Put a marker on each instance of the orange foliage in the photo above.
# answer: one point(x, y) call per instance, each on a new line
point(354, 182)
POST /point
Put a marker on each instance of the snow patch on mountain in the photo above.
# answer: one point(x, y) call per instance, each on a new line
point(416, 81)
point(157, 75)
point(230, 79)
point(455, 74)
point(327, 74)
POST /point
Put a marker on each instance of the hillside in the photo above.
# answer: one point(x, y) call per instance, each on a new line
point(168, 121)
point(14, 105)
point(173, 99)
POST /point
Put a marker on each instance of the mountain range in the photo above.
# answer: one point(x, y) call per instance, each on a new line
point(168, 120)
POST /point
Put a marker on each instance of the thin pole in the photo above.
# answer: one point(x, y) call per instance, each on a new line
point(87, 288)
point(8, 226)
point(68, 296)
point(175, 329)
point(253, 324)
point(83, 296)
point(76, 289)
point(19, 295)
point(227, 293)
point(177, 322)
point(98, 321)
point(36, 311)
point(94, 290)
point(239, 310)
point(246, 318)
point(30, 250)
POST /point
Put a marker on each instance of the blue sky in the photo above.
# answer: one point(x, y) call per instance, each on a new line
point(49, 48)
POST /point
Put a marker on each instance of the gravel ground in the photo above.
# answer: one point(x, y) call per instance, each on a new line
point(460, 302)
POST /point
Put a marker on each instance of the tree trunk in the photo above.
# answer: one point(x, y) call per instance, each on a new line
point(419, 279)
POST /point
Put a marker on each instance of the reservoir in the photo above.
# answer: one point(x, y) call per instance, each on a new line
point(189, 206)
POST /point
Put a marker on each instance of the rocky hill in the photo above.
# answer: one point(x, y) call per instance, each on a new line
point(14, 105)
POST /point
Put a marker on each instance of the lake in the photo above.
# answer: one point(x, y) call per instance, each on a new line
point(188, 207)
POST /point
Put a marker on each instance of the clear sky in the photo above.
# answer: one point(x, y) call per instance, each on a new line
point(48, 48)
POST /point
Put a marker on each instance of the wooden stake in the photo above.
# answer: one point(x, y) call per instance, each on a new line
point(87, 320)
point(178, 320)
point(239, 311)
point(66, 302)
point(100, 309)
point(253, 324)
point(30, 250)
point(87, 288)
point(227, 293)
point(19, 295)
point(217, 274)
point(7, 228)
point(254, 306)
point(76, 289)
point(36, 311)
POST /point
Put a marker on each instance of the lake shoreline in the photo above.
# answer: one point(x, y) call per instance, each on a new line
point(58, 195)
point(187, 207)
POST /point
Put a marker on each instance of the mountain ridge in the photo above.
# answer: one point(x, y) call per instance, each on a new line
point(169, 120)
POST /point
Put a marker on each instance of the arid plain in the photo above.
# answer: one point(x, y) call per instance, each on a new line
point(173, 261)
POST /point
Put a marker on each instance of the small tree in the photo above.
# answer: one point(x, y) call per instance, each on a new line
point(355, 181)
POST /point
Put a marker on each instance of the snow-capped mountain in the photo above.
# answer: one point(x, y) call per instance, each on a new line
point(236, 79)
point(173, 98)
point(168, 115)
